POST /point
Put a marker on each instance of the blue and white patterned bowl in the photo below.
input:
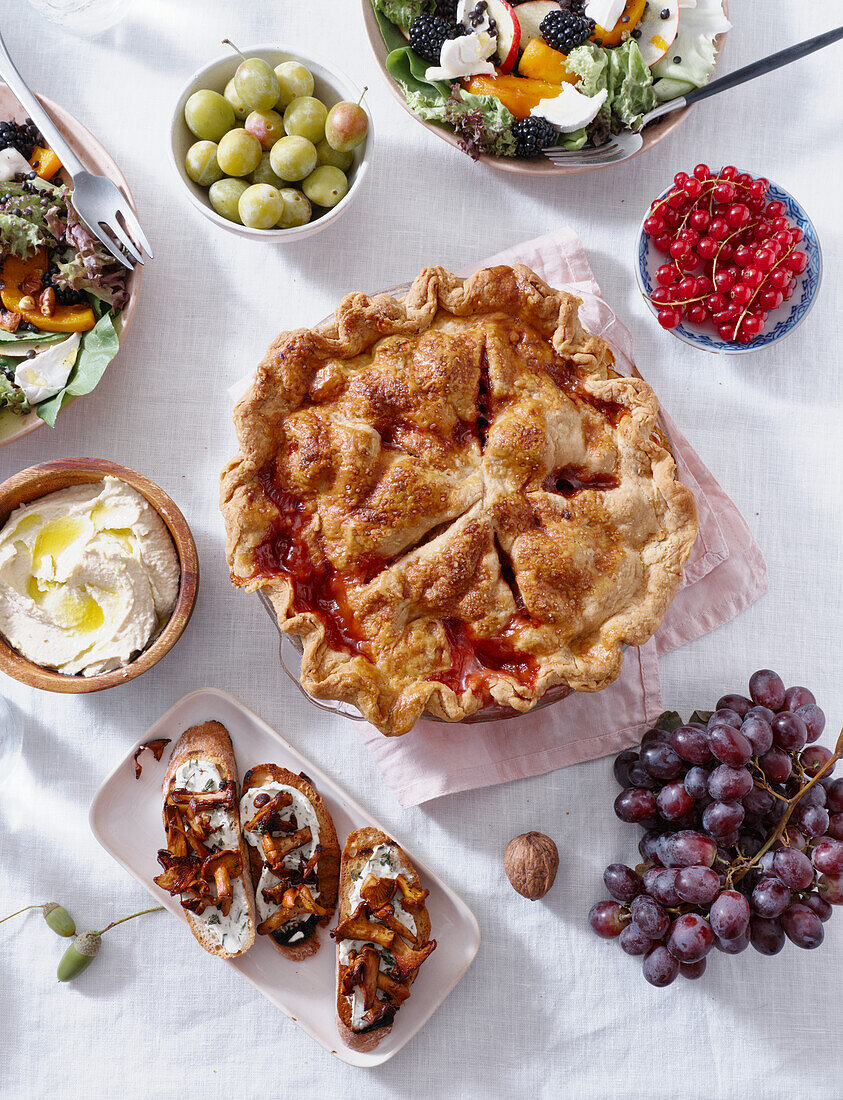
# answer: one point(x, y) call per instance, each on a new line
point(782, 322)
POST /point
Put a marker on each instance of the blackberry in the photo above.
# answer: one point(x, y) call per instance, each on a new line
point(447, 10)
point(532, 135)
point(428, 32)
point(21, 136)
point(564, 30)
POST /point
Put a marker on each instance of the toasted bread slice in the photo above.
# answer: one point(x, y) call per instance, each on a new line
point(358, 849)
point(211, 744)
point(306, 941)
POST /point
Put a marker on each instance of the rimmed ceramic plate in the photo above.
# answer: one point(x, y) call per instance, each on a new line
point(539, 166)
point(125, 818)
point(785, 320)
point(95, 159)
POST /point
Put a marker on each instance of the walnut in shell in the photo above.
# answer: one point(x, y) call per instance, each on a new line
point(530, 862)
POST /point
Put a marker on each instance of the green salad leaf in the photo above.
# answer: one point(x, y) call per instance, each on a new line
point(693, 45)
point(20, 235)
point(98, 347)
point(630, 85)
point(11, 396)
point(591, 65)
point(667, 88)
point(402, 12)
point(408, 69)
point(34, 338)
point(481, 122)
point(574, 140)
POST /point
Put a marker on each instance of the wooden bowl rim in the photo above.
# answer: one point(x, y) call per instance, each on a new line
point(96, 158)
point(39, 481)
point(651, 135)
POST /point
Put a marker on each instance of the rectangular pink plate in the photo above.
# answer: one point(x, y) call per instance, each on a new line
point(125, 818)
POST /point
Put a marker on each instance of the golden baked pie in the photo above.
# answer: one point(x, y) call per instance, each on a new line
point(454, 500)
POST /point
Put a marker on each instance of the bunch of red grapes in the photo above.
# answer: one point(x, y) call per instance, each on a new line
point(743, 839)
point(733, 254)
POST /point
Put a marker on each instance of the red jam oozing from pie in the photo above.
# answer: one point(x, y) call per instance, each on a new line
point(573, 479)
point(474, 659)
point(317, 588)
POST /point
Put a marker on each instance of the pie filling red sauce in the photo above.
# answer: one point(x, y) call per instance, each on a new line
point(474, 659)
point(320, 589)
point(573, 479)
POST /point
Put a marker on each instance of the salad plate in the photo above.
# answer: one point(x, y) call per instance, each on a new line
point(125, 818)
point(386, 39)
point(95, 158)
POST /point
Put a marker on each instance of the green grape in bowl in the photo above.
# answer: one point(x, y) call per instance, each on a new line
point(297, 209)
point(260, 206)
point(255, 81)
point(326, 186)
point(305, 117)
point(241, 109)
point(201, 163)
point(208, 115)
point(264, 173)
point(326, 154)
point(224, 196)
point(239, 153)
point(293, 158)
point(295, 80)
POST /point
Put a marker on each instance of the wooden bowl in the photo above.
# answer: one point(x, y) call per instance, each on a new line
point(95, 159)
point(49, 477)
point(540, 166)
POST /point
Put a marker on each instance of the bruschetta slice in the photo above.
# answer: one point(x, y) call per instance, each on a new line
point(383, 936)
point(294, 857)
point(206, 862)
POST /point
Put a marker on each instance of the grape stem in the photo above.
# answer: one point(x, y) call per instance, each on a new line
point(228, 42)
point(739, 872)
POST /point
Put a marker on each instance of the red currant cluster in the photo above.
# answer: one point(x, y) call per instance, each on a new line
point(733, 253)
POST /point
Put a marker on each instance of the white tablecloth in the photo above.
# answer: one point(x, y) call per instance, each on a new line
point(547, 1008)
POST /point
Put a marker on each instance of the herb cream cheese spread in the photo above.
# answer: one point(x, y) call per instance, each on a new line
point(88, 576)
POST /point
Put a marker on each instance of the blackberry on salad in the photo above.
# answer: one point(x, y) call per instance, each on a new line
point(564, 31)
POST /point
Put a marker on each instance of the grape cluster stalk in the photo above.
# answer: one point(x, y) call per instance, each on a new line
point(743, 840)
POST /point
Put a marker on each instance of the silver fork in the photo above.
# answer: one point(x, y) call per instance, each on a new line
point(625, 145)
point(97, 200)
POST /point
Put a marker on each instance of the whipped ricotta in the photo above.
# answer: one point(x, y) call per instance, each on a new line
point(88, 576)
point(228, 931)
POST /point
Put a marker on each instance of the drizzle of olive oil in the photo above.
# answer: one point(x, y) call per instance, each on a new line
point(54, 537)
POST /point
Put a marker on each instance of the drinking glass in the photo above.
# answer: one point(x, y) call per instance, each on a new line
point(87, 17)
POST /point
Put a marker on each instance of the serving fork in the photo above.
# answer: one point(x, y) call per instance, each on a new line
point(625, 145)
point(100, 204)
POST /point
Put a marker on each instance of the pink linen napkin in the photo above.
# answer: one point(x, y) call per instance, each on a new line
point(724, 575)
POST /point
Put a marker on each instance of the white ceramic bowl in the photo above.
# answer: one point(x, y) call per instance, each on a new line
point(330, 86)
